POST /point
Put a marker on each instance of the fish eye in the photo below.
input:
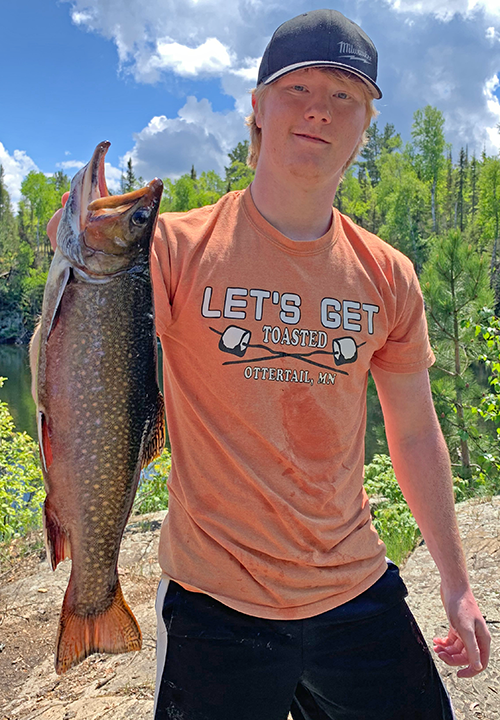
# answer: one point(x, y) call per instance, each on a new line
point(140, 217)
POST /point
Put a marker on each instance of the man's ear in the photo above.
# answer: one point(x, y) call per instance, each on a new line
point(256, 111)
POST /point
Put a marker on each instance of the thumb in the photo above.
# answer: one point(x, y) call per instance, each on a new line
point(53, 223)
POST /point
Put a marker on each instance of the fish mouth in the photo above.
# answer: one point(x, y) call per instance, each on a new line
point(95, 198)
point(98, 209)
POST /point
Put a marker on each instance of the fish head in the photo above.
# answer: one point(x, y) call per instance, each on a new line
point(105, 234)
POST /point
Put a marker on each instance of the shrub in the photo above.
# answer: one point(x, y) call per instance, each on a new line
point(21, 482)
point(392, 517)
point(152, 493)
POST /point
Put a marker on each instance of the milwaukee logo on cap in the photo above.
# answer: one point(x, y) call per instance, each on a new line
point(348, 50)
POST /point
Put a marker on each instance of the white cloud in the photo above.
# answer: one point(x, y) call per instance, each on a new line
point(492, 34)
point(197, 136)
point(209, 58)
point(15, 168)
point(70, 164)
point(173, 34)
point(113, 178)
point(494, 108)
point(446, 9)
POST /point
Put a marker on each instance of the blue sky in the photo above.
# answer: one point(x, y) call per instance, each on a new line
point(167, 81)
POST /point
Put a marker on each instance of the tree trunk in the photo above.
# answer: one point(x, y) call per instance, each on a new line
point(464, 445)
point(433, 204)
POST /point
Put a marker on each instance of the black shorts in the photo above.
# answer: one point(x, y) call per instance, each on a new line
point(365, 660)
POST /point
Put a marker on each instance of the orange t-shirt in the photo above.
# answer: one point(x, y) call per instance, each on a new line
point(267, 343)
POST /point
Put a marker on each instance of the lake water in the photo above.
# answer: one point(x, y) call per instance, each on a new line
point(16, 392)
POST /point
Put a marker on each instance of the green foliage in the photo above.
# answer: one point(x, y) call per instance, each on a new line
point(378, 144)
point(41, 197)
point(455, 286)
point(238, 174)
point(487, 331)
point(191, 191)
point(391, 515)
point(403, 200)
point(33, 286)
point(152, 493)
point(357, 196)
point(15, 259)
point(489, 198)
point(428, 137)
point(21, 483)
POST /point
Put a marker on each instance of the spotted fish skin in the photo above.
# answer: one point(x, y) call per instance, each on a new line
point(101, 415)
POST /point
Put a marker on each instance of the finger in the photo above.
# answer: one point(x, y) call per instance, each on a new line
point(452, 659)
point(452, 647)
point(443, 641)
point(468, 672)
point(452, 642)
point(472, 651)
point(64, 198)
point(52, 226)
point(484, 641)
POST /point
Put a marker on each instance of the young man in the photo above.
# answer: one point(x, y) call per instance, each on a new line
point(272, 308)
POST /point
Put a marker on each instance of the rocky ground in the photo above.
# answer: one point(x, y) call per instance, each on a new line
point(122, 686)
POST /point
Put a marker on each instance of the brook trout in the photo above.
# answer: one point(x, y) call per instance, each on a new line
point(100, 412)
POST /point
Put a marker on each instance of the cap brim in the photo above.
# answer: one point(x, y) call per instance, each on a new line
point(324, 63)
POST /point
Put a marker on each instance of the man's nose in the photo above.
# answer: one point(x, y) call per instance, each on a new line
point(319, 110)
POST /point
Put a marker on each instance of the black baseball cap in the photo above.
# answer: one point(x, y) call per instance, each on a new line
point(320, 38)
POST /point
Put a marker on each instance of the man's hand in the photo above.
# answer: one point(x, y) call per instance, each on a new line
point(422, 465)
point(53, 223)
point(468, 640)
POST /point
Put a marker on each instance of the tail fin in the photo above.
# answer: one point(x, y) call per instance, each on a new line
point(114, 631)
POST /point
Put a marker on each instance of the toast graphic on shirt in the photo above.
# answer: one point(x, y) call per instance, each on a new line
point(236, 341)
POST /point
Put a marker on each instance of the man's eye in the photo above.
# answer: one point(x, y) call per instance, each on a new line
point(299, 88)
point(342, 95)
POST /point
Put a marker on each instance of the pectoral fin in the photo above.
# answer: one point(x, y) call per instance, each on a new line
point(155, 439)
point(56, 538)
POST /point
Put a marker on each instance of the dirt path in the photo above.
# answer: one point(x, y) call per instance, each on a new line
point(121, 687)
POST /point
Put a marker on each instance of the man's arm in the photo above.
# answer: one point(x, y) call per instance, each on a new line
point(422, 466)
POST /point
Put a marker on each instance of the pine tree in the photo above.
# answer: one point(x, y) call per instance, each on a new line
point(129, 182)
point(377, 144)
point(455, 286)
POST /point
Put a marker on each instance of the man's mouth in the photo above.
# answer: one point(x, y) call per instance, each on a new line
point(312, 138)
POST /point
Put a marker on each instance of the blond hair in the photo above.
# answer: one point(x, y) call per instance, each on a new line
point(371, 112)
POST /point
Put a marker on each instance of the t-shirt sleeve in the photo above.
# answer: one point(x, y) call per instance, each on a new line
point(160, 277)
point(407, 348)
